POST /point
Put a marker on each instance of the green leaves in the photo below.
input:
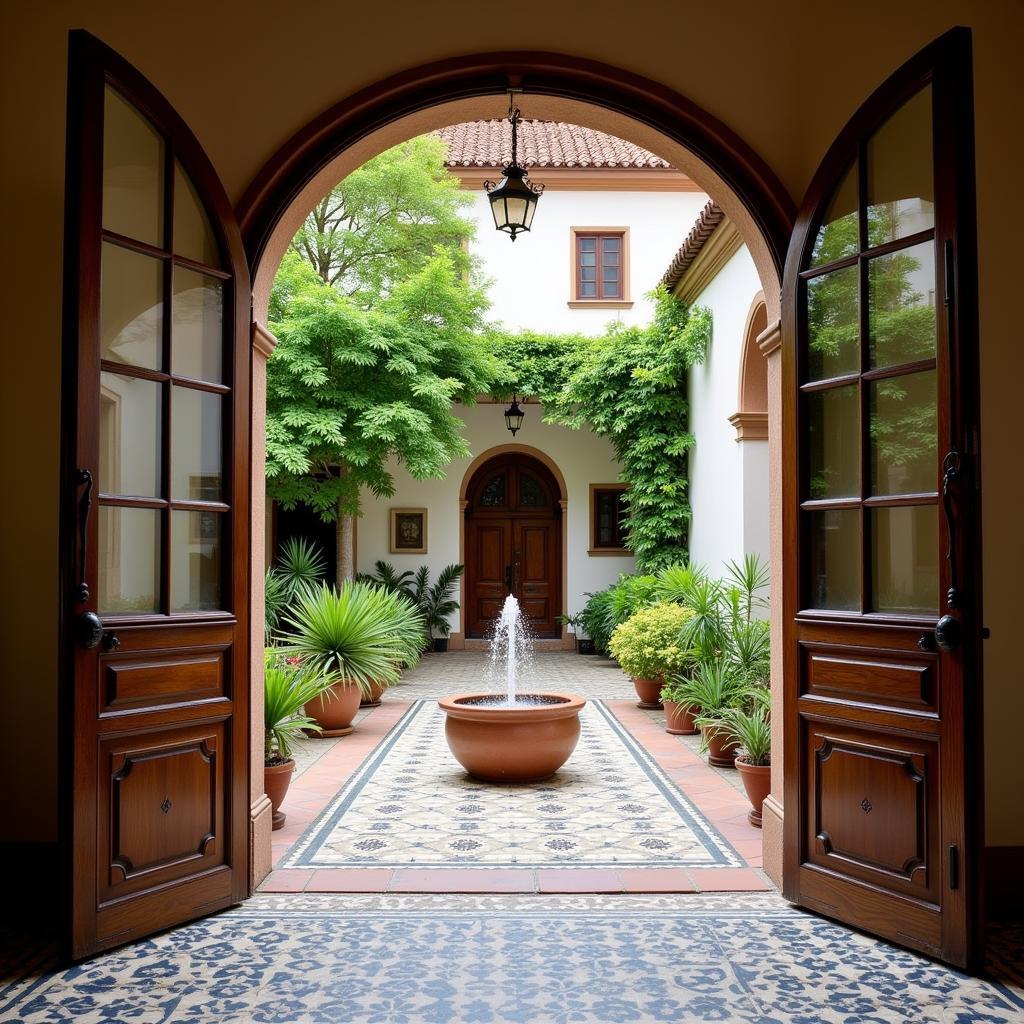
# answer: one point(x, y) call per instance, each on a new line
point(630, 387)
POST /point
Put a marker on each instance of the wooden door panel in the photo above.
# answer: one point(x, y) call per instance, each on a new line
point(165, 814)
point(871, 807)
point(154, 699)
point(882, 589)
point(537, 576)
point(489, 551)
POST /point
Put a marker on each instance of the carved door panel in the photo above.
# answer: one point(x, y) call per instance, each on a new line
point(155, 506)
point(536, 577)
point(488, 558)
point(882, 596)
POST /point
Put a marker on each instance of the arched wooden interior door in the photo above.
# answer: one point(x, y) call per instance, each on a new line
point(155, 517)
point(513, 544)
point(881, 517)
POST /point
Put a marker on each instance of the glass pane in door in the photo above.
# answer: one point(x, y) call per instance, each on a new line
point(904, 434)
point(197, 326)
point(133, 172)
point(131, 417)
point(901, 190)
point(901, 306)
point(834, 557)
point(833, 427)
point(193, 236)
point(195, 561)
point(905, 559)
point(129, 559)
point(196, 445)
point(131, 308)
point(839, 233)
point(833, 324)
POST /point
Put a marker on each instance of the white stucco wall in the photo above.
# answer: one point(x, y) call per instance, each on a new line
point(531, 278)
point(582, 458)
point(728, 479)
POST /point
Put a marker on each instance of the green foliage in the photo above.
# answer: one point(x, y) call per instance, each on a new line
point(751, 578)
point(712, 687)
point(751, 729)
point(300, 564)
point(275, 599)
point(348, 389)
point(387, 576)
point(381, 224)
point(598, 620)
point(435, 601)
point(647, 644)
point(629, 386)
point(286, 691)
point(357, 634)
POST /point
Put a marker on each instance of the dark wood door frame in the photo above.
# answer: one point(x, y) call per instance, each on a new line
point(946, 64)
point(222, 636)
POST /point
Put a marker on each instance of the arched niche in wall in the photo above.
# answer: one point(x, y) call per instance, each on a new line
point(751, 418)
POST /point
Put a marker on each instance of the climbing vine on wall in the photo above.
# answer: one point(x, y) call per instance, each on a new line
point(628, 385)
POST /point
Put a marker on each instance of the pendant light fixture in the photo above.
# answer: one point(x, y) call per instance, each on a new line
point(514, 417)
point(514, 198)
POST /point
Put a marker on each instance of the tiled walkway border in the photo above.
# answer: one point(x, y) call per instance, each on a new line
point(713, 796)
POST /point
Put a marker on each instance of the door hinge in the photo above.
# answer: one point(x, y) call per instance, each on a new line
point(954, 867)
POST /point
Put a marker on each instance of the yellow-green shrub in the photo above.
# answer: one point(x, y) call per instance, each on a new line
point(647, 644)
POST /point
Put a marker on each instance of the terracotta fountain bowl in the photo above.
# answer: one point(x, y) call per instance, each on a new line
point(520, 744)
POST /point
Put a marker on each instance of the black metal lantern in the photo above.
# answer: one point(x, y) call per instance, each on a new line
point(514, 416)
point(514, 198)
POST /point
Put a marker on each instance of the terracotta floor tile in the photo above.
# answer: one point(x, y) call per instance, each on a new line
point(462, 880)
point(596, 880)
point(287, 880)
point(656, 880)
point(728, 880)
point(350, 880)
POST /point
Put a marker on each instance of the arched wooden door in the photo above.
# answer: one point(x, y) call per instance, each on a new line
point(513, 544)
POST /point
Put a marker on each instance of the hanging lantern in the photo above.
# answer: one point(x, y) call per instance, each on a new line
point(514, 198)
point(514, 417)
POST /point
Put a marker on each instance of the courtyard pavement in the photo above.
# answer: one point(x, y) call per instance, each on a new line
point(387, 809)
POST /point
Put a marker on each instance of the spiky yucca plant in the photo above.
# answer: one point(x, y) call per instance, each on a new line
point(286, 691)
point(356, 634)
point(752, 730)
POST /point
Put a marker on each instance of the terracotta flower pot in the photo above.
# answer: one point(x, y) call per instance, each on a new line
point(512, 744)
point(336, 709)
point(679, 719)
point(276, 779)
point(649, 692)
point(721, 750)
point(373, 699)
point(757, 781)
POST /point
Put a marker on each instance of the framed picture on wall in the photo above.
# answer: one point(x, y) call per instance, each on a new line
point(408, 531)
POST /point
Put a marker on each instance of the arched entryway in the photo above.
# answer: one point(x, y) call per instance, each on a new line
point(513, 543)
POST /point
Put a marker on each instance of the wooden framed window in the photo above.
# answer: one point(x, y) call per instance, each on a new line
point(608, 520)
point(600, 267)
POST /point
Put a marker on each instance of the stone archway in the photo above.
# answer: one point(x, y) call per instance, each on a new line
point(557, 87)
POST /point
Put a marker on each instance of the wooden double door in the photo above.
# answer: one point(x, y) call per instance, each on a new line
point(513, 544)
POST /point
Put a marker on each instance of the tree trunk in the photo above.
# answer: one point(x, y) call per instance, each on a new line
point(345, 535)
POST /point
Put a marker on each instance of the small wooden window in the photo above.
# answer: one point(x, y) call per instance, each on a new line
point(600, 266)
point(608, 519)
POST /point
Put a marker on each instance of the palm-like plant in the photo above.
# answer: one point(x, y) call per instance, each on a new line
point(706, 633)
point(286, 691)
point(749, 649)
point(676, 582)
point(750, 577)
point(388, 577)
point(358, 634)
point(436, 602)
point(300, 565)
point(275, 599)
point(713, 686)
point(751, 729)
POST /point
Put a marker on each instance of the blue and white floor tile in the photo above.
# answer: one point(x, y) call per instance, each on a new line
point(314, 959)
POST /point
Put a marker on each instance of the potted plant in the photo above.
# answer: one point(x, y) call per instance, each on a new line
point(713, 689)
point(356, 636)
point(286, 691)
point(647, 647)
point(436, 602)
point(752, 730)
point(680, 711)
point(584, 644)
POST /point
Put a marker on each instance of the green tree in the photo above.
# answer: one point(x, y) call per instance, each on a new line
point(349, 389)
point(382, 223)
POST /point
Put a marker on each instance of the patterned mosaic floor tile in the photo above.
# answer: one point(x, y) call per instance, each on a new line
point(491, 960)
point(411, 804)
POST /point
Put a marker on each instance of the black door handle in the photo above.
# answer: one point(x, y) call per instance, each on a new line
point(83, 476)
point(950, 475)
point(508, 578)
